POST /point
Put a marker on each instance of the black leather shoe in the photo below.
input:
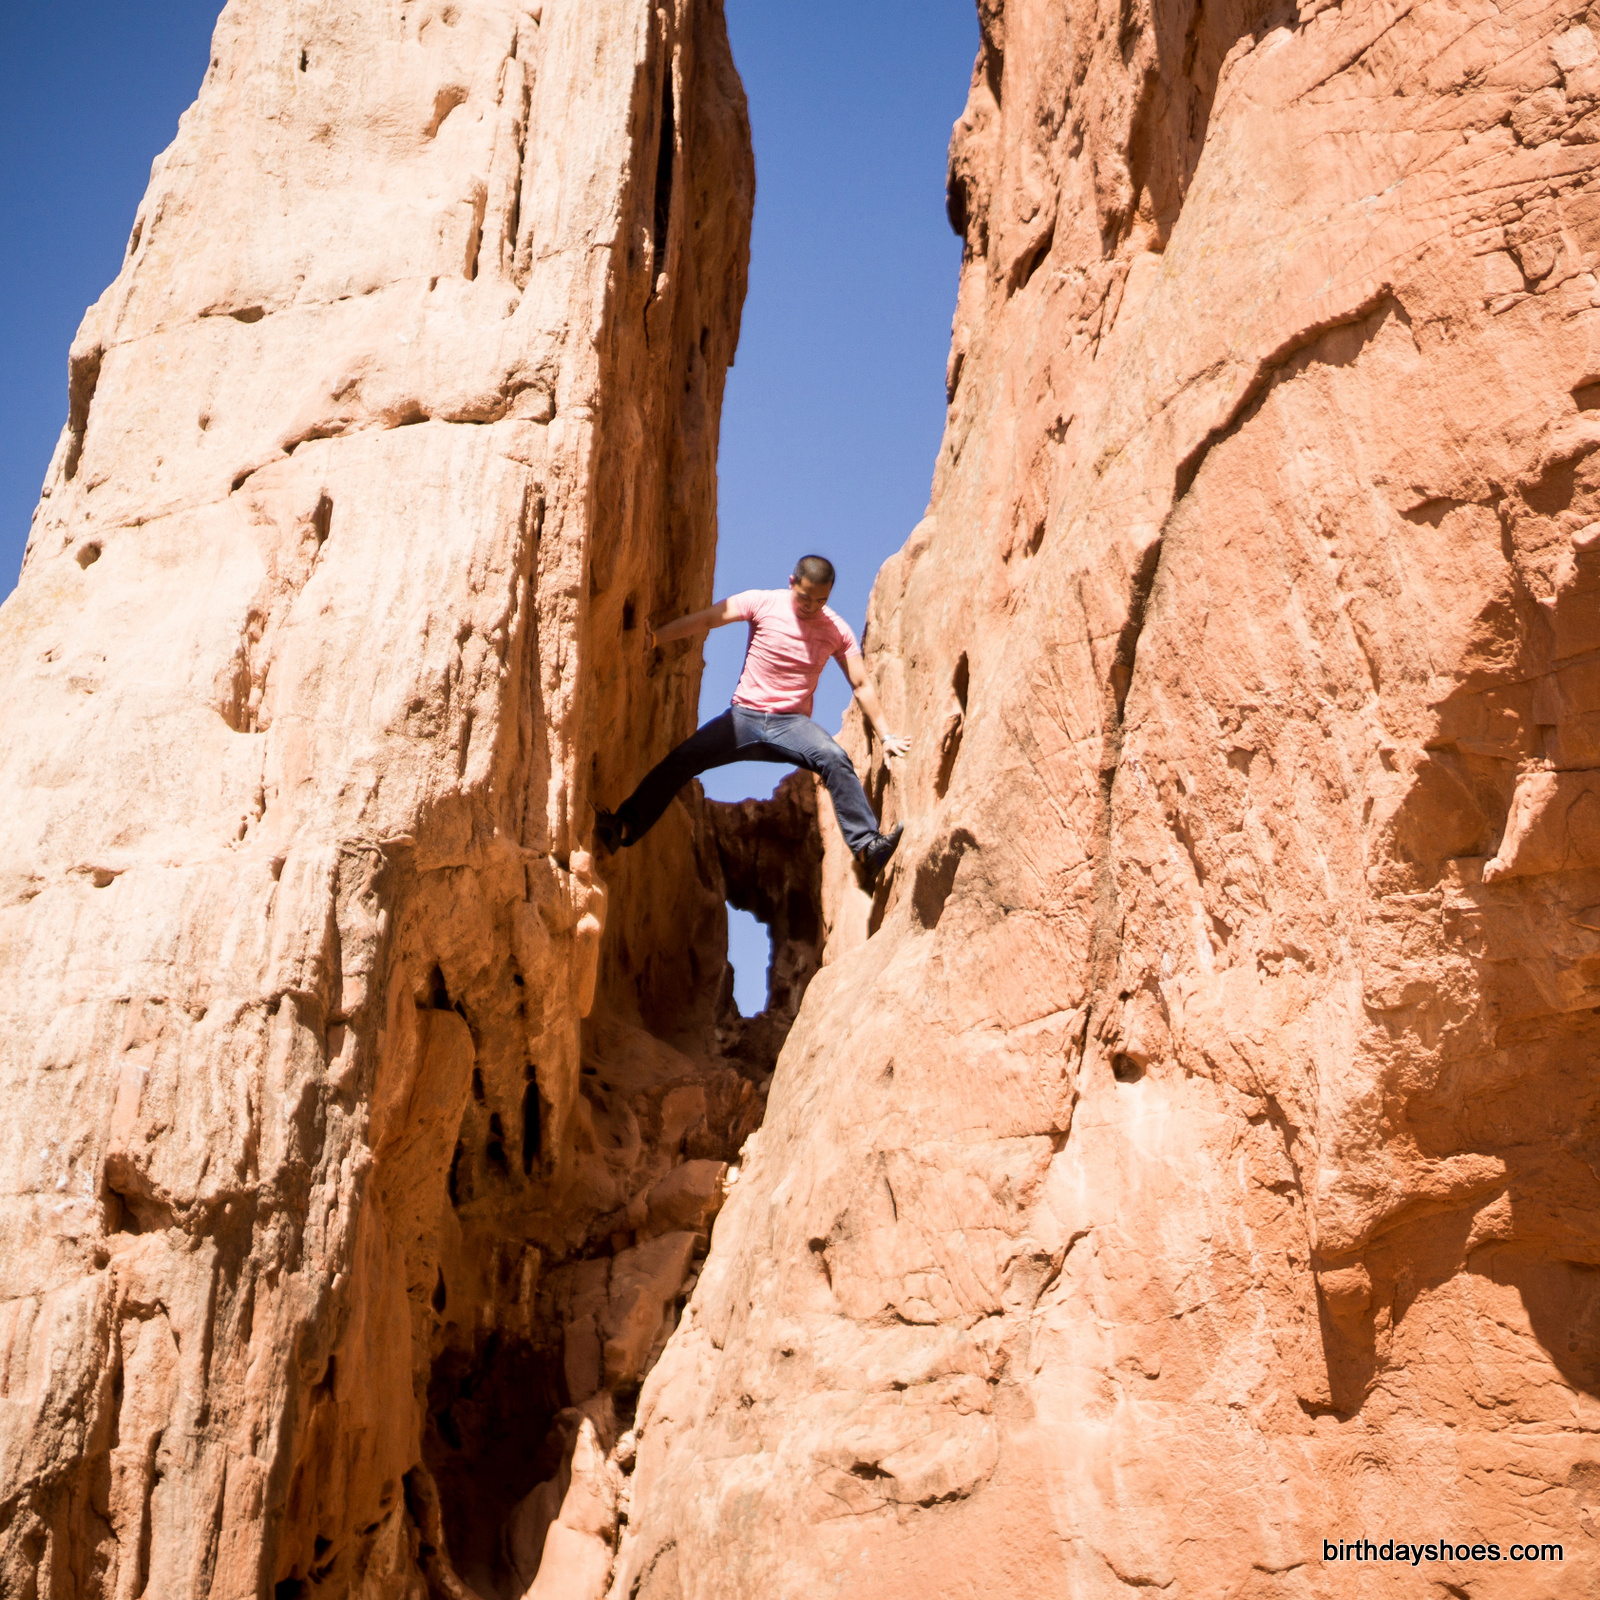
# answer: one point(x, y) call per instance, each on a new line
point(608, 832)
point(883, 845)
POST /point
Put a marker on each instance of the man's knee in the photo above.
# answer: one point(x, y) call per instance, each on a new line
point(833, 763)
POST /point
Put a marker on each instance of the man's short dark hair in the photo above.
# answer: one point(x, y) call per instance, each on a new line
point(814, 569)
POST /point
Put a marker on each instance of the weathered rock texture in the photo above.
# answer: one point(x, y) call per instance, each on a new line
point(344, 1201)
point(1193, 1152)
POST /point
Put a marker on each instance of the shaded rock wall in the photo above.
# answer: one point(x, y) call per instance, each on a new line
point(1189, 1154)
point(336, 1175)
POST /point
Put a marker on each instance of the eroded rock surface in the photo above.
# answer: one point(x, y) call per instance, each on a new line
point(1190, 1154)
point(359, 1139)
point(1186, 1156)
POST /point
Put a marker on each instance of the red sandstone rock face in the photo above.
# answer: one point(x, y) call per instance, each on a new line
point(346, 1198)
point(1190, 1154)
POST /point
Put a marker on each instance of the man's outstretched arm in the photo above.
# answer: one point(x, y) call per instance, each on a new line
point(855, 669)
point(714, 616)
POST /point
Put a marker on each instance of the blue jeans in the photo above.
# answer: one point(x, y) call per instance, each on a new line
point(741, 734)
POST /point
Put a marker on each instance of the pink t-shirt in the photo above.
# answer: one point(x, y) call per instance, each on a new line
point(786, 653)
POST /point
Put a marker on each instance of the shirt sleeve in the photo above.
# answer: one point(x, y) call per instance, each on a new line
point(848, 643)
point(746, 603)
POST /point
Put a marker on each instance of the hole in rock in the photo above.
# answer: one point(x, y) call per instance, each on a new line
point(438, 992)
point(477, 1085)
point(495, 1149)
point(118, 1214)
point(530, 1128)
point(1587, 395)
point(453, 1182)
point(819, 1249)
point(322, 520)
point(750, 956)
point(665, 154)
point(627, 615)
point(304, 61)
point(489, 1441)
point(441, 1299)
point(88, 554)
point(1125, 1069)
point(291, 1589)
point(248, 314)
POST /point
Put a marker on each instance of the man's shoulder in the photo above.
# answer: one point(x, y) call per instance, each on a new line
point(752, 602)
point(846, 633)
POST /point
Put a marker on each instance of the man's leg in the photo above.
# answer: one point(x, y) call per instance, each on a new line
point(804, 742)
point(711, 746)
point(734, 736)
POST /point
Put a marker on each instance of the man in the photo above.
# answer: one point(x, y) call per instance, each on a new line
point(792, 635)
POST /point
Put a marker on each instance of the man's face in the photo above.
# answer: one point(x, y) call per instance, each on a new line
point(809, 598)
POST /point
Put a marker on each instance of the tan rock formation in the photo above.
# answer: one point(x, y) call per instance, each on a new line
point(400, 415)
point(1186, 1157)
point(1190, 1155)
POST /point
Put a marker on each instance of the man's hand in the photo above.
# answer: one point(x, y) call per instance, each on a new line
point(855, 669)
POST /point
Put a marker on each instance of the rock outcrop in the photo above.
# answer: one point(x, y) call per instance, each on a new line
point(1189, 1156)
point(359, 1138)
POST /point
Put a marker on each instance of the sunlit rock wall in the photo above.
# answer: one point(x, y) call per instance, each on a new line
point(399, 418)
point(1190, 1155)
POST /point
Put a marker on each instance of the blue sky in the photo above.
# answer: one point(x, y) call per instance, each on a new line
point(836, 403)
point(836, 400)
point(90, 94)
